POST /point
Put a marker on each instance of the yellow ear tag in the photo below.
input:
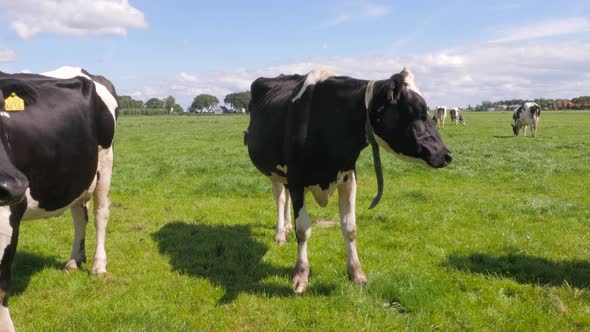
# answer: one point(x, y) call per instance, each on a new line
point(14, 103)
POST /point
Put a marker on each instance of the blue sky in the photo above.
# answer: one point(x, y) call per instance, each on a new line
point(461, 52)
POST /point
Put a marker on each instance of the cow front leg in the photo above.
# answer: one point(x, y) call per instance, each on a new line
point(347, 207)
point(101, 209)
point(10, 218)
point(80, 220)
point(280, 193)
point(303, 232)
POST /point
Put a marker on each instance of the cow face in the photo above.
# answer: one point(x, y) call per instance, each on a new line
point(515, 130)
point(401, 124)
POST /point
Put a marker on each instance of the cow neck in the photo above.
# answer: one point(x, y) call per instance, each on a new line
point(374, 146)
point(368, 127)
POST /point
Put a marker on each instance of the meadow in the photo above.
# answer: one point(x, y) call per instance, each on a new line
point(497, 241)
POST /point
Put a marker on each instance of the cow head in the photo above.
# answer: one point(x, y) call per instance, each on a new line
point(13, 183)
point(515, 129)
point(401, 124)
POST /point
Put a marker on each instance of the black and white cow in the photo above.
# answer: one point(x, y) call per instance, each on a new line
point(527, 114)
point(55, 155)
point(306, 133)
point(456, 116)
point(440, 115)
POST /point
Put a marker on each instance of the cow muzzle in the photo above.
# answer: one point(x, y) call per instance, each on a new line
point(12, 188)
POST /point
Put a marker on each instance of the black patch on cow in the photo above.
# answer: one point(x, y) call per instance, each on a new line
point(55, 141)
point(22, 89)
point(346, 178)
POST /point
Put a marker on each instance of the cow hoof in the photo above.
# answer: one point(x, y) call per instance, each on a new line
point(281, 238)
point(359, 279)
point(301, 278)
point(356, 274)
point(71, 265)
point(99, 267)
point(299, 285)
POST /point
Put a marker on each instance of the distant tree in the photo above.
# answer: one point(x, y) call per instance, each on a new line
point(125, 102)
point(177, 109)
point(169, 103)
point(203, 102)
point(238, 101)
point(138, 104)
point(154, 103)
point(581, 99)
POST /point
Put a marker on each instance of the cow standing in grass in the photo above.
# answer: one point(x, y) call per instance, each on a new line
point(56, 153)
point(440, 114)
point(306, 133)
point(456, 116)
point(525, 115)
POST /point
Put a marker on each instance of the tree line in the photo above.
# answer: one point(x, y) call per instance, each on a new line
point(582, 102)
point(203, 103)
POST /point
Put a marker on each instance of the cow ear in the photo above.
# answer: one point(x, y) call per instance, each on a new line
point(390, 96)
point(394, 88)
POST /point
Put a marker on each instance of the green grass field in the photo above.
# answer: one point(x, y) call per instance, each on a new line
point(498, 241)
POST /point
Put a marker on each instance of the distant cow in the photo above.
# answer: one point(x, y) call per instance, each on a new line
point(55, 155)
point(525, 115)
point(440, 114)
point(306, 133)
point(456, 116)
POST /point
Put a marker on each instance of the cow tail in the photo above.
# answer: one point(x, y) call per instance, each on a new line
point(245, 137)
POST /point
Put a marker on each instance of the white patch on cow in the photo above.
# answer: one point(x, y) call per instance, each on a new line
point(71, 72)
point(322, 196)
point(303, 230)
point(382, 143)
point(369, 94)
point(274, 177)
point(313, 77)
point(5, 228)
point(34, 211)
point(5, 321)
point(281, 195)
point(282, 168)
point(4, 114)
point(410, 83)
point(347, 209)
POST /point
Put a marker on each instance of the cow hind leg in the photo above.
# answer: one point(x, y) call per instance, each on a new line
point(287, 211)
point(80, 219)
point(280, 194)
point(346, 205)
point(101, 209)
point(303, 232)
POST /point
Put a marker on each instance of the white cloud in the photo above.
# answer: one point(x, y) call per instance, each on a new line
point(449, 77)
point(72, 17)
point(7, 55)
point(353, 11)
point(548, 28)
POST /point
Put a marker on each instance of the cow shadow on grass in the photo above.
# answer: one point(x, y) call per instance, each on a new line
point(25, 266)
point(525, 269)
point(226, 255)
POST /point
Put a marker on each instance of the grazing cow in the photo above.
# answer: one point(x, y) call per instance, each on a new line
point(440, 114)
point(306, 133)
point(456, 116)
point(525, 115)
point(55, 154)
